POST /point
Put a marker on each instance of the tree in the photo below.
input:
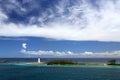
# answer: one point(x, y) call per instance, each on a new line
point(112, 62)
point(60, 62)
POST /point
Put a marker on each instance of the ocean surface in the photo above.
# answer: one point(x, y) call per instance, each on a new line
point(17, 71)
point(29, 72)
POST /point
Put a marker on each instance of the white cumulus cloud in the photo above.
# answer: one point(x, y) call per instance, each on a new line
point(24, 45)
point(72, 54)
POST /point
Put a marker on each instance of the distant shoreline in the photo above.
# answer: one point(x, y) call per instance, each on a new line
point(62, 62)
point(45, 65)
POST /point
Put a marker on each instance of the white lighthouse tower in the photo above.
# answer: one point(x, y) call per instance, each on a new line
point(39, 60)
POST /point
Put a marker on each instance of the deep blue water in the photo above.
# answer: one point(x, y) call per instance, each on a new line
point(25, 72)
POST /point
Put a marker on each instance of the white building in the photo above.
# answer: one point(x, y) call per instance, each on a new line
point(39, 60)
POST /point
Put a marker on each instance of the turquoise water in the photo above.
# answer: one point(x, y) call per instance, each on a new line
point(32, 72)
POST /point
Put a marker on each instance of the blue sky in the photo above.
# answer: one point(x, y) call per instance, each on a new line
point(59, 28)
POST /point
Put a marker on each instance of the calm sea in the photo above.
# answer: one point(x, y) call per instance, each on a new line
point(29, 72)
point(32, 72)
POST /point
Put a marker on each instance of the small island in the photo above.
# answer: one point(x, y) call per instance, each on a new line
point(59, 62)
point(3, 61)
point(69, 62)
point(113, 62)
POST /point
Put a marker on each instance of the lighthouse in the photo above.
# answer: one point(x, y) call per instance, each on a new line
point(39, 60)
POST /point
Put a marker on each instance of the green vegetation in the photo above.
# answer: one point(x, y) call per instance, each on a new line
point(68, 62)
point(112, 62)
point(60, 62)
point(3, 61)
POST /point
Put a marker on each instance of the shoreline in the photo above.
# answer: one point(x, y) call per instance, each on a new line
point(45, 65)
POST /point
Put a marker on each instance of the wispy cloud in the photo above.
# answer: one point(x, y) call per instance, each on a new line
point(12, 38)
point(78, 21)
point(3, 16)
